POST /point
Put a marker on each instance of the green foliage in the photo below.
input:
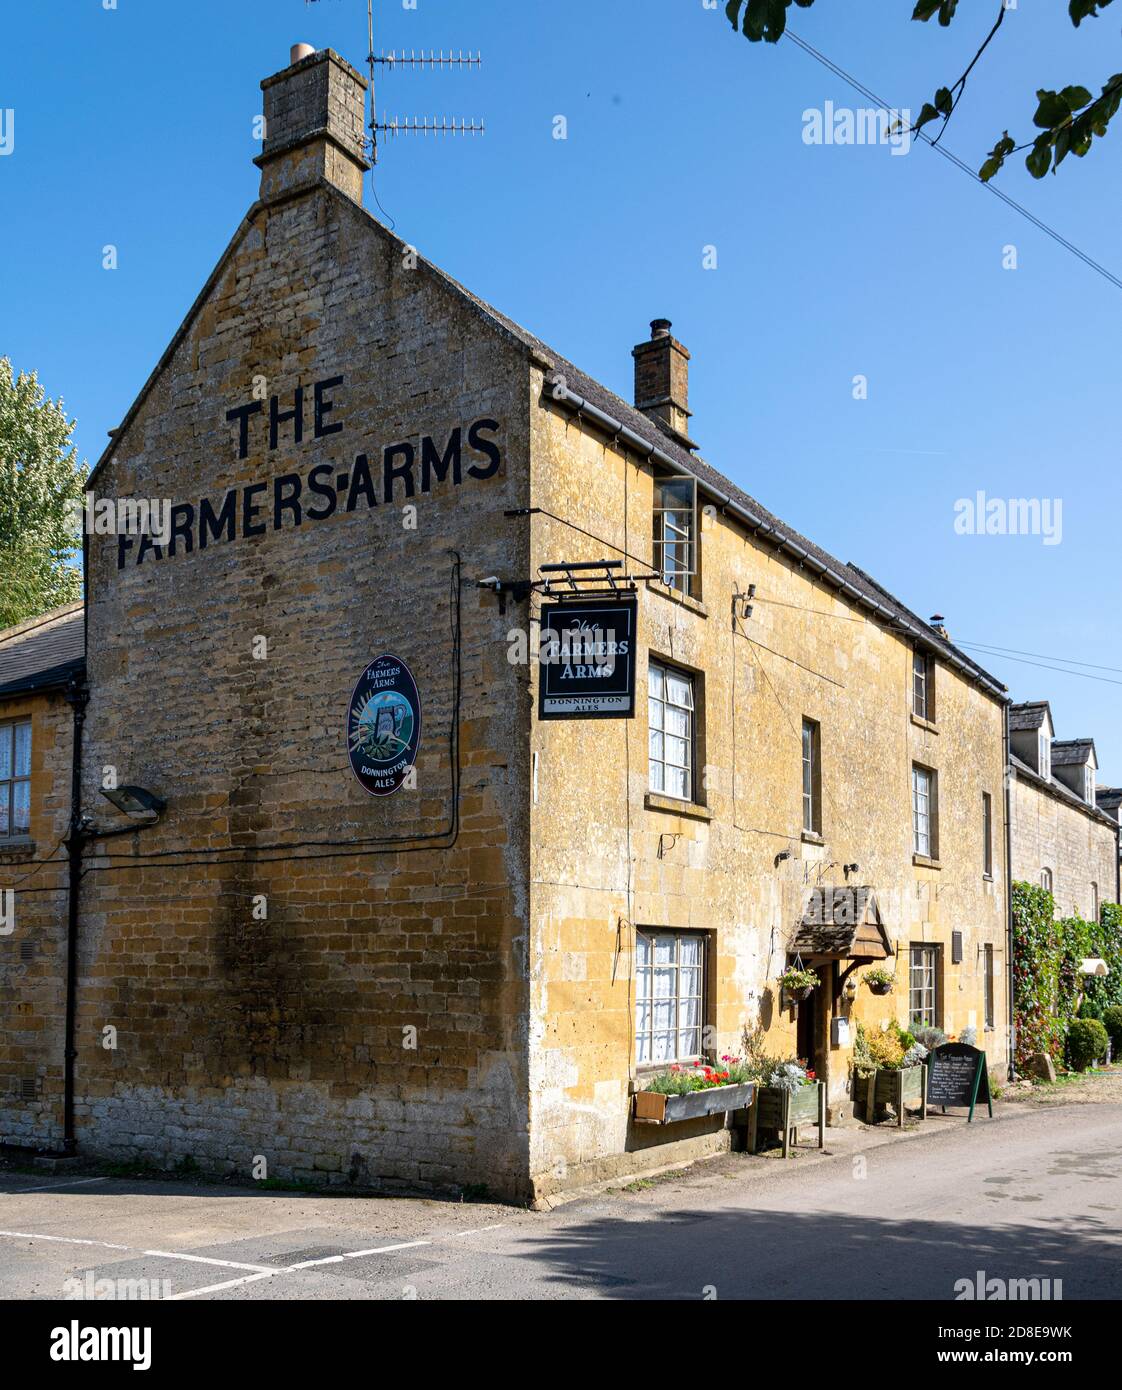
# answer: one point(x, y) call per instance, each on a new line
point(882, 1049)
point(878, 975)
point(1049, 989)
point(1086, 1042)
point(40, 481)
point(1111, 1020)
point(795, 981)
point(1068, 120)
point(1105, 941)
point(763, 19)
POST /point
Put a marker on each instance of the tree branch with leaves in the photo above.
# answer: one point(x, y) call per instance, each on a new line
point(1068, 121)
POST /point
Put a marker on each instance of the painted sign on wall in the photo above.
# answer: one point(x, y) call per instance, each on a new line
point(384, 726)
point(587, 659)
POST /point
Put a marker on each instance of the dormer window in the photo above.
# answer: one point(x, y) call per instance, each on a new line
point(1045, 756)
point(1089, 785)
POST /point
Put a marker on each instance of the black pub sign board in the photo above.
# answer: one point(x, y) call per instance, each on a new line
point(587, 655)
point(957, 1075)
point(384, 726)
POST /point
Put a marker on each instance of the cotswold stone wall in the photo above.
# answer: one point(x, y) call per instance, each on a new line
point(1080, 849)
point(33, 951)
point(296, 969)
point(608, 858)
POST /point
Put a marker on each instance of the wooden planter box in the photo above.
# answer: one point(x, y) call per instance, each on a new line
point(653, 1108)
point(896, 1088)
point(785, 1111)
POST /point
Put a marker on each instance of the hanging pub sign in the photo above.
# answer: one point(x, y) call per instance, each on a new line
point(587, 656)
point(384, 726)
point(957, 1075)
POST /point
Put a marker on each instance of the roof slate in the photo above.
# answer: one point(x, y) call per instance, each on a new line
point(1029, 715)
point(43, 652)
point(1072, 752)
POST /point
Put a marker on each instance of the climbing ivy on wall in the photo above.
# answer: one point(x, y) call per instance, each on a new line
point(1106, 941)
point(1048, 985)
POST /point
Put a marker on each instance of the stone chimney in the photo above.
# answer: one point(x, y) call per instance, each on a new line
point(662, 382)
point(315, 119)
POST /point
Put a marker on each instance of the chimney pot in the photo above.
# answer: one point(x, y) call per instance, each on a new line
point(662, 380)
point(300, 51)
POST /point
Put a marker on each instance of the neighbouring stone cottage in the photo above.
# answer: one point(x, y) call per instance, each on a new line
point(1063, 838)
point(376, 917)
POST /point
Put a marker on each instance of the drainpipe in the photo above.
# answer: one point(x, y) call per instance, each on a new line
point(1009, 894)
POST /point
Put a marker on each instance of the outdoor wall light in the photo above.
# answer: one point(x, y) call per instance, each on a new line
point(134, 801)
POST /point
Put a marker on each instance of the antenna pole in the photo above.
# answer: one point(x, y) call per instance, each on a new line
point(370, 63)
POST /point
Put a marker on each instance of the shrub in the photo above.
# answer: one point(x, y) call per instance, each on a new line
point(928, 1037)
point(1112, 1022)
point(1086, 1042)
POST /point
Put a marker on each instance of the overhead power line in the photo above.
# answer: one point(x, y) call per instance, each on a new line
point(864, 91)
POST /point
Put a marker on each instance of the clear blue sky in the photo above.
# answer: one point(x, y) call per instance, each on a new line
point(134, 127)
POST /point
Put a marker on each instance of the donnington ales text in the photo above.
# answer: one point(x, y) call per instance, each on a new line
point(255, 508)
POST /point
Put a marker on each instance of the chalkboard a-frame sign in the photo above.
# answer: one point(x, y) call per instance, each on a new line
point(957, 1075)
point(587, 657)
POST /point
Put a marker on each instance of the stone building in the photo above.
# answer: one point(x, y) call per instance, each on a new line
point(452, 963)
point(41, 674)
point(1062, 839)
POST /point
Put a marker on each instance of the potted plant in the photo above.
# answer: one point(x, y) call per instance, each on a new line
point(799, 983)
point(789, 1095)
point(691, 1092)
point(888, 1069)
point(880, 980)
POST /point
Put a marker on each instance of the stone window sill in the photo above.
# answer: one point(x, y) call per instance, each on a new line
point(923, 862)
point(928, 724)
point(18, 850)
point(812, 837)
point(654, 801)
point(667, 591)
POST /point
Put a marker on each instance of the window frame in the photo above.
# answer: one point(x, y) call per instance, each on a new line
point(933, 952)
point(701, 966)
point(1044, 755)
point(932, 812)
point(8, 730)
point(923, 670)
point(681, 578)
point(988, 987)
point(1047, 880)
point(1096, 907)
point(987, 835)
point(812, 773)
point(692, 711)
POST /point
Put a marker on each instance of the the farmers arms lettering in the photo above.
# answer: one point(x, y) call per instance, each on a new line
point(402, 471)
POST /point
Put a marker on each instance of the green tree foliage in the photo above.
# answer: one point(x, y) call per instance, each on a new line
point(1086, 1042)
point(40, 483)
point(1067, 121)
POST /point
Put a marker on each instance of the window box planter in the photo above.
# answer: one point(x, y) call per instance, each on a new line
point(654, 1108)
point(894, 1087)
point(776, 1108)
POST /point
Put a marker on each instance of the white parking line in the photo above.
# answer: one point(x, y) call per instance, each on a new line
point(48, 1187)
point(131, 1249)
point(257, 1272)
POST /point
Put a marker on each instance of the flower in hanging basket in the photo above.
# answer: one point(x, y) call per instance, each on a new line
point(880, 981)
point(800, 983)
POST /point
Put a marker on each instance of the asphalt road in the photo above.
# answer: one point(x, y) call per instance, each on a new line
point(1036, 1193)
